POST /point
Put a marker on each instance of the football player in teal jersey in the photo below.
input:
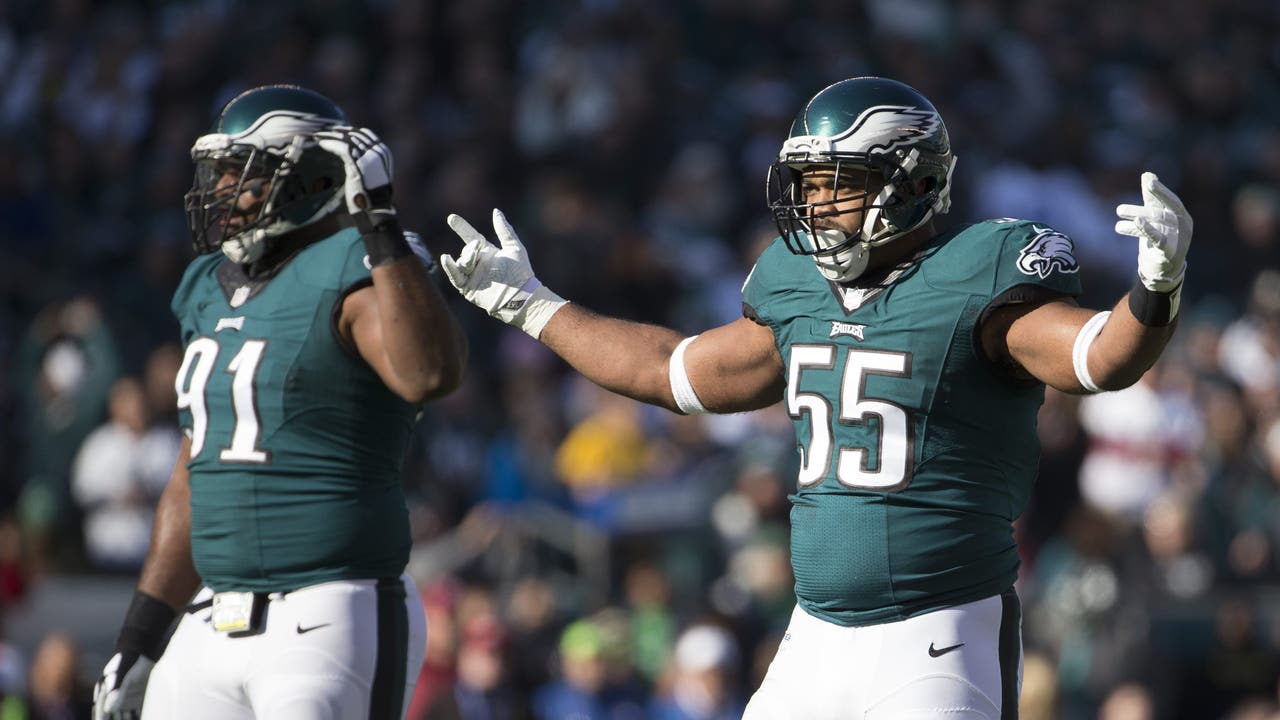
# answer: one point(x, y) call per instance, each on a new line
point(313, 334)
point(912, 361)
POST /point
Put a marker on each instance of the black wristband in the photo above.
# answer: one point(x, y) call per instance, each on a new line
point(146, 625)
point(1154, 309)
point(383, 238)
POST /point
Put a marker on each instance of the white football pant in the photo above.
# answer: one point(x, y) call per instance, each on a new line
point(960, 663)
point(343, 650)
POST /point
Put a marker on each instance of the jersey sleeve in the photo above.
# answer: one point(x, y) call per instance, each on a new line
point(1035, 261)
point(355, 270)
point(184, 295)
point(764, 286)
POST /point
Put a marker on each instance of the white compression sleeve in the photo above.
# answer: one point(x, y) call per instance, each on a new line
point(1080, 351)
point(686, 399)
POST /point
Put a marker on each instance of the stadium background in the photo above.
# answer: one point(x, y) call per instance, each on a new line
point(567, 540)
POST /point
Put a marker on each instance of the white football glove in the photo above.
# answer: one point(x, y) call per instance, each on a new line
point(367, 161)
point(118, 694)
point(1164, 227)
point(500, 281)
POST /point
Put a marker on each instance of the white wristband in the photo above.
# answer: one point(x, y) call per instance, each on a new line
point(538, 305)
point(686, 399)
point(1080, 351)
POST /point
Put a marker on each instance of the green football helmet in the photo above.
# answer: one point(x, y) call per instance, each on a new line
point(262, 143)
point(869, 125)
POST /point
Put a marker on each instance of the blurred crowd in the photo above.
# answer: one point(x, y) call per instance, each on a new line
point(581, 555)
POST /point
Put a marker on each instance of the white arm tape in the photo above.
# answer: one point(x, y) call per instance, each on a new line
point(1080, 351)
point(686, 399)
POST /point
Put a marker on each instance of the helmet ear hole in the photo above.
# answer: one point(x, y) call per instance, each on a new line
point(290, 191)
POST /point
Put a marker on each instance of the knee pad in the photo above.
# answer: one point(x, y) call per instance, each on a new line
point(933, 696)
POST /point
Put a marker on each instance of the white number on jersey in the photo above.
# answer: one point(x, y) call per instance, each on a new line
point(202, 353)
point(894, 449)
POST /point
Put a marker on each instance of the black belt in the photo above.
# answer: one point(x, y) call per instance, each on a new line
point(257, 597)
point(266, 596)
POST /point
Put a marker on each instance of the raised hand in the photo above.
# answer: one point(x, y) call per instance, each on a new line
point(1163, 226)
point(367, 162)
point(498, 278)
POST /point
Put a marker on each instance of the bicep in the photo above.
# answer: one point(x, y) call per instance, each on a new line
point(1038, 339)
point(359, 327)
point(735, 367)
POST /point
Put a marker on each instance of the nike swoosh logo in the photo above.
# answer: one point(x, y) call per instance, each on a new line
point(932, 652)
point(302, 630)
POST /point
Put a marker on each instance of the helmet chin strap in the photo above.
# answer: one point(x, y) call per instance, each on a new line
point(844, 265)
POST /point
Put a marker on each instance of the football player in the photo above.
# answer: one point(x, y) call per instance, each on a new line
point(313, 334)
point(912, 362)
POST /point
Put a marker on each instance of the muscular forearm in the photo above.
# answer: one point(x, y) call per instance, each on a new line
point(628, 358)
point(425, 347)
point(1143, 321)
point(731, 368)
point(1126, 348)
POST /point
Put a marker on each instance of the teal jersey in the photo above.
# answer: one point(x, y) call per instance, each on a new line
point(916, 452)
point(296, 443)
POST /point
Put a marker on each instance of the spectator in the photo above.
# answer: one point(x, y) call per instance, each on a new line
point(650, 616)
point(482, 691)
point(1039, 688)
point(1130, 701)
point(701, 683)
point(66, 365)
point(533, 634)
point(1135, 439)
point(118, 475)
point(56, 690)
point(582, 689)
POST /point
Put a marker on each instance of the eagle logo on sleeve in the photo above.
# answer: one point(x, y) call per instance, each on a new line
point(1048, 252)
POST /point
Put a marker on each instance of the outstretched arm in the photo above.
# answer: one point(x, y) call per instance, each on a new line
point(731, 368)
point(1041, 340)
point(1078, 350)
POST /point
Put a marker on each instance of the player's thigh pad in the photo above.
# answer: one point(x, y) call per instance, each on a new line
point(199, 677)
point(962, 663)
point(348, 649)
point(340, 650)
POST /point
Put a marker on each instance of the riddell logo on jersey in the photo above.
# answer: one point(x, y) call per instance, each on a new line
point(844, 328)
